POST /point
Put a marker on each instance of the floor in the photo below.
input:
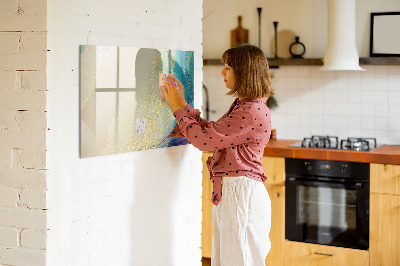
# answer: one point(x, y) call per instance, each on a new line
point(206, 261)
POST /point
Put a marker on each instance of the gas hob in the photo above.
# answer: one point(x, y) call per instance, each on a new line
point(332, 142)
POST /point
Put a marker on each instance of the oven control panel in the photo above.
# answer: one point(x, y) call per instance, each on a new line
point(338, 169)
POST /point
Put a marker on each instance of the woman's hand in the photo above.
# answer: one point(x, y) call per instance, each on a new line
point(172, 94)
point(181, 91)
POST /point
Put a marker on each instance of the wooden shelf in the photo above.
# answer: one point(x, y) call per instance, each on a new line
point(380, 61)
point(274, 63)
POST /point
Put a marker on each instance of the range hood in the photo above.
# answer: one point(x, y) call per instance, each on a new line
point(341, 51)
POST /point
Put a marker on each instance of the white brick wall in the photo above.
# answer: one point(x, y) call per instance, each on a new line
point(33, 239)
point(23, 132)
point(139, 208)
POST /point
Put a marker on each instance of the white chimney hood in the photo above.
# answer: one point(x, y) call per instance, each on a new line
point(341, 51)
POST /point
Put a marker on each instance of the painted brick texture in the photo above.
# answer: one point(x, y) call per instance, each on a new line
point(23, 125)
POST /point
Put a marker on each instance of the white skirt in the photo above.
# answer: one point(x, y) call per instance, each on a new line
point(241, 223)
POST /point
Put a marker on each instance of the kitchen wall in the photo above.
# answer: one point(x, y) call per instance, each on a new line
point(138, 208)
point(343, 103)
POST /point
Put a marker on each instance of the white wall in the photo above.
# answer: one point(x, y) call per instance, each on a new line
point(139, 208)
point(23, 133)
point(311, 102)
point(306, 19)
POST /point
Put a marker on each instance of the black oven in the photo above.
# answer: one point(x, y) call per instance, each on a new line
point(327, 202)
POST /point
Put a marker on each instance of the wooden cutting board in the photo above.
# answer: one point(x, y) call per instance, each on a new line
point(239, 35)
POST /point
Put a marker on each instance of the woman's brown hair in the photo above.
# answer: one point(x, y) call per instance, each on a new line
point(250, 66)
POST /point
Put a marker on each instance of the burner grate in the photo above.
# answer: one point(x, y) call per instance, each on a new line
point(358, 144)
point(332, 142)
point(327, 142)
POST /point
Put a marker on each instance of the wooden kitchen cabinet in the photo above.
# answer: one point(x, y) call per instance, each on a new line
point(274, 168)
point(385, 215)
point(385, 178)
point(384, 236)
point(277, 233)
point(305, 254)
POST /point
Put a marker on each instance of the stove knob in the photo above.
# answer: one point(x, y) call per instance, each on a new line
point(308, 166)
point(343, 168)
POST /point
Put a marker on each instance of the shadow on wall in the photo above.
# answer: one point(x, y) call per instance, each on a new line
point(152, 214)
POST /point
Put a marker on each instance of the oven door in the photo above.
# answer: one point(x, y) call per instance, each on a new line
point(327, 213)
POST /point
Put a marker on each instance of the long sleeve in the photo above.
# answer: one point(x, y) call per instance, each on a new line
point(193, 113)
point(231, 130)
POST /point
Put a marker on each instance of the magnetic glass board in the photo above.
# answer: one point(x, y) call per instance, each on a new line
point(120, 105)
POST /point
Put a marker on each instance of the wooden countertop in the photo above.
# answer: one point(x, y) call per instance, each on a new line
point(389, 154)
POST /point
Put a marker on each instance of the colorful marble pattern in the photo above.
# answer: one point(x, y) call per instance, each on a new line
point(121, 110)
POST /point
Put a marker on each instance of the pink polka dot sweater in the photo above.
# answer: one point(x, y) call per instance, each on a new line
point(238, 139)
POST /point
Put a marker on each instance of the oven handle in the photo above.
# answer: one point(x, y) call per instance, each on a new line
point(357, 185)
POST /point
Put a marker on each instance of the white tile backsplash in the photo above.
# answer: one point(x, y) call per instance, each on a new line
point(394, 97)
point(381, 97)
point(394, 124)
point(381, 110)
point(354, 80)
point(304, 82)
point(292, 83)
point(342, 109)
point(394, 136)
point(381, 71)
point(343, 103)
point(367, 109)
point(394, 110)
point(355, 109)
point(355, 96)
point(342, 122)
point(393, 71)
point(382, 136)
point(367, 96)
point(368, 123)
point(342, 96)
point(394, 82)
point(381, 83)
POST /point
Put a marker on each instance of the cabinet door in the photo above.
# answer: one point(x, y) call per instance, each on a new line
point(304, 254)
point(385, 178)
point(274, 168)
point(277, 233)
point(384, 230)
point(206, 226)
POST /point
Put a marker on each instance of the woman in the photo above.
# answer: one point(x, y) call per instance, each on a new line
point(242, 211)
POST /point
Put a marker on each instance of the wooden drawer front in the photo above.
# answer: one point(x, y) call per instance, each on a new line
point(304, 254)
point(274, 168)
point(384, 237)
point(385, 178)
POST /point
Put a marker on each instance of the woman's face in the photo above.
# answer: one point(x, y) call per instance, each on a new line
point(229, 76)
